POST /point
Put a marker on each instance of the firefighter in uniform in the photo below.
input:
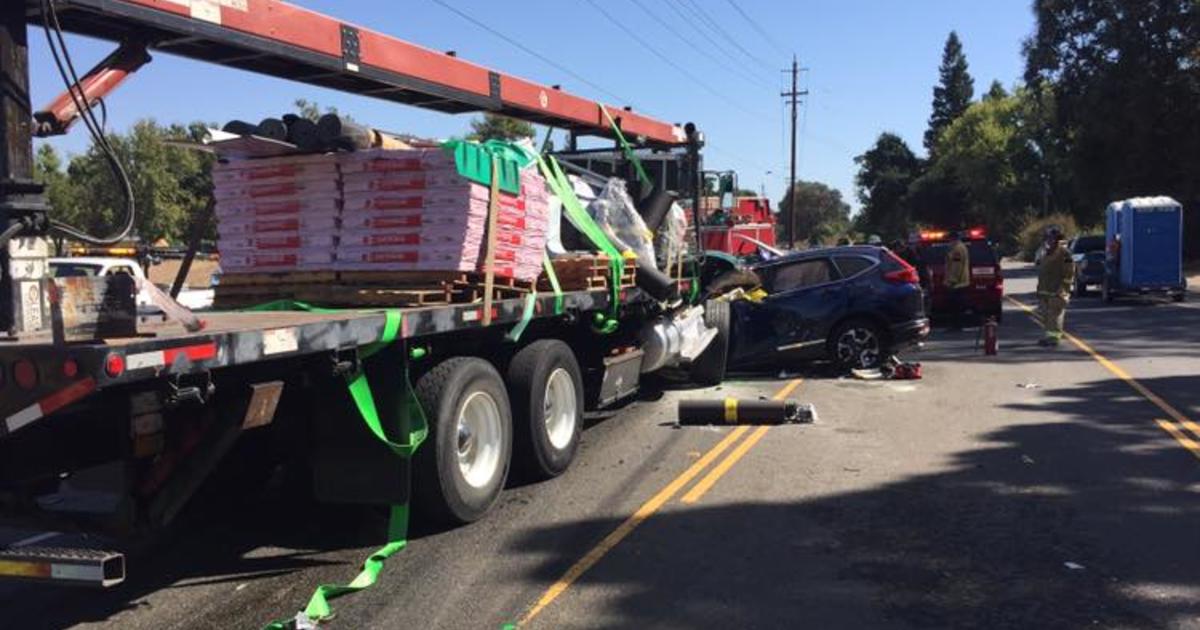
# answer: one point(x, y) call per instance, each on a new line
point(958, 280)
point(1055, 275)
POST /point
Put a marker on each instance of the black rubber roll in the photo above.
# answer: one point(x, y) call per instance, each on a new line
point(735, 411)
point(272, 128)
point(655, 209)
point(240, 127)
point(339, 133)
point(302, 132)
point(656, 283)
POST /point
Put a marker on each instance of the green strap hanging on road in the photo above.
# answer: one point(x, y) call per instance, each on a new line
point(581, 219)
point(413, 420)
point(628, 150)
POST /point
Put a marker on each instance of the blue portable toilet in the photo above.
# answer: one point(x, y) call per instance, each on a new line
point(1150, 232)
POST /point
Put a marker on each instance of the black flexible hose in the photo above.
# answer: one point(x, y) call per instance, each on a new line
point(70, 78)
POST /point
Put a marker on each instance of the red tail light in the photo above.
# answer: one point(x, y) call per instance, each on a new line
point(114, 365)
point(906, 274)
point(25, 374)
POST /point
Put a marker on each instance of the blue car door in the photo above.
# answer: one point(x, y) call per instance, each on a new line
point(805, 298)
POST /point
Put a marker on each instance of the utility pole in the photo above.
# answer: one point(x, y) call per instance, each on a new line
point(793, 99)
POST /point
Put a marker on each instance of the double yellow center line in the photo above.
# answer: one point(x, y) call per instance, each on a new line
point(1179, 424)
point(658, 500)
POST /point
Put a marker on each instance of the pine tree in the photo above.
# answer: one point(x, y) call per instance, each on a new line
point(996, 92)
point(952, 95)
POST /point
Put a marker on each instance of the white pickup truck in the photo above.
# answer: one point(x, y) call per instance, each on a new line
point(192, 299)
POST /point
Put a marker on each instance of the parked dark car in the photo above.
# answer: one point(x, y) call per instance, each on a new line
point(1088, 254)
point(855, 305)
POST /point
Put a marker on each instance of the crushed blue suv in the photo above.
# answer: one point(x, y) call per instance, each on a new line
point(854, 305)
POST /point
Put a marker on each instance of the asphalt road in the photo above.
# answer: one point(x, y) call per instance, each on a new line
point(1033, 489)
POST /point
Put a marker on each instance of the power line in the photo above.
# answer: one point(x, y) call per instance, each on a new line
point(682, 70)
point(700, 49)
point(529, 51)
point(717, 28)
point(755, 25)
point(731, 154)
point(678, 8)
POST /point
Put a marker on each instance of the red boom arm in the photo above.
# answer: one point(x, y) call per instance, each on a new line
point(288, 41)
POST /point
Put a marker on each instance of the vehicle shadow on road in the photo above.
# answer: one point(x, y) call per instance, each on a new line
point(225, 541)
point(1080, 523)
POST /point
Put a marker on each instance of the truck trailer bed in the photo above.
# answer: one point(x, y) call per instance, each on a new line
point(48, 377)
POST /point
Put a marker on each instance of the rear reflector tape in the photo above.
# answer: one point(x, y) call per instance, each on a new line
point(23, 417)
point(163, 358)
point(50, 404)
point(10, 568)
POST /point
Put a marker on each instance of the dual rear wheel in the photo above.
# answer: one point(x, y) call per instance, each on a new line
point(482, 423)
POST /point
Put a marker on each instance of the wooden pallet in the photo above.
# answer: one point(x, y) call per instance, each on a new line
point(283, 277)
point(399, 278)
point(586, 272)
point(473, 288)
point(365, 295)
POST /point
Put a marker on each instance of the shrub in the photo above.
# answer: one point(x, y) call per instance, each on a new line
point(1033, 233)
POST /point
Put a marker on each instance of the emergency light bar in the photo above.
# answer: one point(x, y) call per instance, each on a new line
point(974, 234)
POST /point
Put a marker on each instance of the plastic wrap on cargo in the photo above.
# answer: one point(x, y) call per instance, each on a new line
point(617, 216)
point(671, 241)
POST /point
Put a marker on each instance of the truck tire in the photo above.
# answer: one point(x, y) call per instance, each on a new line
point(709, 368)
point(460, 470)
point(545, 386)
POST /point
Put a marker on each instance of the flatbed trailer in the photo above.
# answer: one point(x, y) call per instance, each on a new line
point(113, 436)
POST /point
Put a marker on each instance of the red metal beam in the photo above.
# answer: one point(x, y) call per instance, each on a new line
point(372, 55)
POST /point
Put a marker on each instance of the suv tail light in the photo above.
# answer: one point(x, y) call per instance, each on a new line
point(906, 274)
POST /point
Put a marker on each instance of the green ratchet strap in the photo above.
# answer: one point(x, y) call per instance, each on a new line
point(558, 294)
point(582, 220)
point(514, 335)
point(289, 305)
point(628, 150)
point(413, 420)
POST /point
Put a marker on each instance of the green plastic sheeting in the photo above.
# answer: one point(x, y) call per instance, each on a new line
point(474, 162)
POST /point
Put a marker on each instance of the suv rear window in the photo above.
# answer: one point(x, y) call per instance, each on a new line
point(980, 252)
point(1085, 244)
point(797, 275)
point(851, 266)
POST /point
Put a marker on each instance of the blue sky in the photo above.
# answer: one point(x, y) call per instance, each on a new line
point(872, 66)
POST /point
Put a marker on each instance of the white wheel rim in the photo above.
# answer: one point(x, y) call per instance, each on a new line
point(559, 408)
point(479, 439)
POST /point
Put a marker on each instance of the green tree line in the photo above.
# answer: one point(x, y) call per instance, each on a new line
point(1108, 109)
point(170, 184)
